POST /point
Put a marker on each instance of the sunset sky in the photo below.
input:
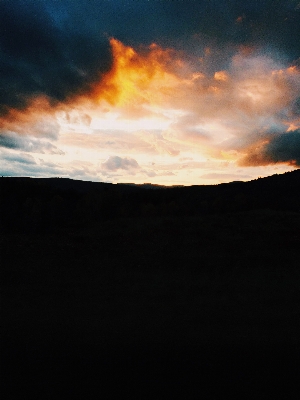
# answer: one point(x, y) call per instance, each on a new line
point(170, 92)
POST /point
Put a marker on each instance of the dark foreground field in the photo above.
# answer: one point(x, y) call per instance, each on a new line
point(193, 307)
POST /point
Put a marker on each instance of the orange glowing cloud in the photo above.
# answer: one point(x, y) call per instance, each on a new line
point(136, 78)
point(221, 76)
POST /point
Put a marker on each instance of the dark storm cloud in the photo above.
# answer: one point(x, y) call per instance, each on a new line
point(171, 22)
point(38, 57)
point(284, 148)
point(239, 21)
point(59, 48)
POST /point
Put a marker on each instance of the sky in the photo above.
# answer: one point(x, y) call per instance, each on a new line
point(170, 92)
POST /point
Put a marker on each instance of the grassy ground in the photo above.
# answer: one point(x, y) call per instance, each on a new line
point(150, 303)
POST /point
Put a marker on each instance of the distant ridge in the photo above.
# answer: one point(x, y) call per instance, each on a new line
point(46, 204)
point(84, 186)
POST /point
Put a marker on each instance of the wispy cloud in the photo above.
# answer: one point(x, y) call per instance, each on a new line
point(12, 140)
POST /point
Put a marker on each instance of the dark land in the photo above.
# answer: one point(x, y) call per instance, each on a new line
point(109, 291)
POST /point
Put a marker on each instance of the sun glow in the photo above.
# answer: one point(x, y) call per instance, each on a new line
point(135, 95)
point(113, 122)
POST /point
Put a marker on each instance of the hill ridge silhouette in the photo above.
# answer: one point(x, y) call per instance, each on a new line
point(42, 204)
point(60, 180)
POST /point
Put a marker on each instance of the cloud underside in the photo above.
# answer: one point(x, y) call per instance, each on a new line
point(284, 148)
point(135, 80)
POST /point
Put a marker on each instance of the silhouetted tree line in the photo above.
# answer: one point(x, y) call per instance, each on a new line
point(43, 205)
